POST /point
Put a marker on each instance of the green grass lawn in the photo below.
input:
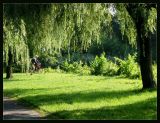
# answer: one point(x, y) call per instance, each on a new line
point(73, 96)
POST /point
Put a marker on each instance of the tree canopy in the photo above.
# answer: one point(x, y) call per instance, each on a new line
point(50, 27)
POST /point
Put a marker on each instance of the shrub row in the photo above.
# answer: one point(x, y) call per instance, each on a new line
point(76, 67)
point(102, 66)
point(99, 65)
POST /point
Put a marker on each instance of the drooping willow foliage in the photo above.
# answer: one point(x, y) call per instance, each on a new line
point(30, 29)
point(66, 26)
point(14, 40)
point(127, 26)
point(127, 21)
point(75, 24)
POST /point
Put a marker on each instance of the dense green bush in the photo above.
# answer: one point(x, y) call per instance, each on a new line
point(102, 66)
point(75, 67)
point(129, 67)
point(65, 67)
point(48, 70)
point(111, 68)
point(88, 64)
point(98, 66)
point(85, 70)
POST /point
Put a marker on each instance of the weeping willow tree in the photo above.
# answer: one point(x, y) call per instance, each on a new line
point(31, 29)
point(138, 21)
point(15, 49)
point(18, 32)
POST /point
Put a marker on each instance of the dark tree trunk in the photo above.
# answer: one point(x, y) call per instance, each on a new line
point(9, 67)
point(145, 46)
point(146, 64)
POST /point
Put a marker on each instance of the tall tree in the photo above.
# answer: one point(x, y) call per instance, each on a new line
point(143, 19)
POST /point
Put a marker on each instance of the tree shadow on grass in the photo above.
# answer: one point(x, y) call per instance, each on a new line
point(140, 110)
point(36, 97)
point(137, 111)
point(11, 80)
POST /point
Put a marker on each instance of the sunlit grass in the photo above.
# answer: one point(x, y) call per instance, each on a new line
point(72, 96)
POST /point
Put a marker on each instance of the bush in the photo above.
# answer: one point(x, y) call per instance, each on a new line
point(65, 67)
point(129, 67)
point(111, 68)
point(98, 66)
point(102, 66)
point(85, 70)
point(58, 69)
point(75, 67)
point(48, 70)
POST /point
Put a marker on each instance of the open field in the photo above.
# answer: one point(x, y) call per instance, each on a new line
point(73, 96)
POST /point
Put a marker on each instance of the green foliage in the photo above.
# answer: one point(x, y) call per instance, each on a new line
point(154, 66)
point(128, 15)
point(85, 70)
point(14, 38)
point(48, 70)
point(85, 58)
point(98, 66)
point(66, 66)
point(49, 60)
point(152, 20)
point(102, 66)
point(112, 42)
point(111, 68)
point(127, 25)
point(58, 69)
point(14, 33)
point(76, 67)
point(72, 67)
point(60, 25)
point(129, 67)
point(55, 26)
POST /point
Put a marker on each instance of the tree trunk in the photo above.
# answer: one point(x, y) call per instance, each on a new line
point(146, 64)
point(145, 46)
point(9, 67)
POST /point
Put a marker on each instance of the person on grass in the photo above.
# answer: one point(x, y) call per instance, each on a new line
point(35, 64)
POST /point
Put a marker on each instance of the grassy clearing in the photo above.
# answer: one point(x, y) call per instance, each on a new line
point(72, 96)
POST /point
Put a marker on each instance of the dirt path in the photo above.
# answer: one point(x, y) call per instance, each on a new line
point(13, 111)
